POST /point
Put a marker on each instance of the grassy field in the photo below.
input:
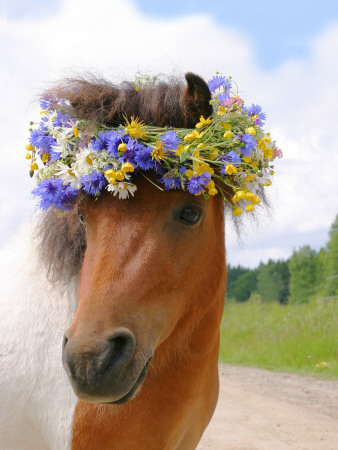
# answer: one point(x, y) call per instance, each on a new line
point(294, 338)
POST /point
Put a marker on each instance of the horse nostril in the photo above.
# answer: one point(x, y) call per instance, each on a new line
point(122, 347)
point(64, 342)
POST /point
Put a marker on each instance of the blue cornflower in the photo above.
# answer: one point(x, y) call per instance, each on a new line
point(216, 83)
point(249, 144)
point(113, 141)
point(54, 193)
point(41, 140)
point(171, 140)
point(256, 110)
point(170, 183)
point(232, 158)
point(61, 119)
point(196, 184)
point(101, 142)
point(143, 157)
point(130, 152)
point(93, 183)
point(224, 96)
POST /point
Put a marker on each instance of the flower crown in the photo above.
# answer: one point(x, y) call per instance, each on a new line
point(229, 148)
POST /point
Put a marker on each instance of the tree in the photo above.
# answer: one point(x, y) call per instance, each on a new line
point(331, 266)
point(241, 283)
point(303, 273)
point(270, 284)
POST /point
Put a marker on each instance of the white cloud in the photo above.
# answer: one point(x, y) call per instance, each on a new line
point(114, 38)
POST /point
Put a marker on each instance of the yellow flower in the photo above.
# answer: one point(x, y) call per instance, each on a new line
point(236, 211)
point(122, 147)
point(179, 150)
point(203, 122)
point(226, 125)
point(158, 153)
point(89, 159)
point(256, 200)
point(28, 156)
point(45, 157)
point(192, 136)
point(240, 195)
point(190, 173)
point(119, 175)
point(247, 159)
point(75, 132)
point(249, 207)
point(29, 147)
point(230, 169)
point(111, 176)
point(268, 153)
point(136, 128)
point(211, 188)
point(228, 134)
point(127, 167)
point(251, 130)
point(250, 177)
point(34, 166)
point(222, 110)
point(200, 168)
point(262, 144)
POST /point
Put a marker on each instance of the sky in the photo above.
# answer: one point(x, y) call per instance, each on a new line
point(283, 55)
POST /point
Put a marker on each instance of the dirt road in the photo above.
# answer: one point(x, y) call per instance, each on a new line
point(262, 410)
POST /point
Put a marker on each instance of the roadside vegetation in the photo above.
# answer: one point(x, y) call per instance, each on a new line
point(283, 315)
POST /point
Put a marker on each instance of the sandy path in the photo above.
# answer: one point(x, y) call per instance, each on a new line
point(262, 410)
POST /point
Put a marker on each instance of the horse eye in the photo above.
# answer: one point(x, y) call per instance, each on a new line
point(190, 214)
point(81, 218)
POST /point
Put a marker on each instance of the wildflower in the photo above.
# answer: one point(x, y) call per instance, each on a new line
point(236, 211)
point(192, 136)
point(230, 169)
point(171, 182)
point(248, 143)
point(136, 128)
point(255, 111)
point(34, 166)
point(228, 134)
point(84, 161)
point(158, 153)
point(197, 183)
point(251, 130)
point(170, 140)
point(93, 183)
point(249, 207)
point(54, 193)
point(203, 122)
point(143, 157)
point(127, 167)
point(211, 188)
point(122, 189)
point(28, 156)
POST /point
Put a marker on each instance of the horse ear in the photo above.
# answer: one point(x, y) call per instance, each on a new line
point(197, 97)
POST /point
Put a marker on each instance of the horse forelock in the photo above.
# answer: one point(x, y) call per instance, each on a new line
point(62, 240)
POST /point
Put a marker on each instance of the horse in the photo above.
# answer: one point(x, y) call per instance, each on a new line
point(128, 294)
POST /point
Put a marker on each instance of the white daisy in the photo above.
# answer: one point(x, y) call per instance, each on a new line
point(123, 189)
point(68, 175)
point(84, 161)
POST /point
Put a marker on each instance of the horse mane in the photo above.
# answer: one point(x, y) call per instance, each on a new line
point(169, 102)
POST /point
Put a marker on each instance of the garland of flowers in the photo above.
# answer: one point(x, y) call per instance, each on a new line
point(228, 148)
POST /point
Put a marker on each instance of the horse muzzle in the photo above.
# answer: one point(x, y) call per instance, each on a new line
point(105, 370)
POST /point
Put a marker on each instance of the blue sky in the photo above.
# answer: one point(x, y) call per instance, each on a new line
point(283, 55)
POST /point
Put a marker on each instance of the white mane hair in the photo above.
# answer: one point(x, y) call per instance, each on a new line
point(37, 401)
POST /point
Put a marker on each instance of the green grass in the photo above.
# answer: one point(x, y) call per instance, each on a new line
point(294, 338)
